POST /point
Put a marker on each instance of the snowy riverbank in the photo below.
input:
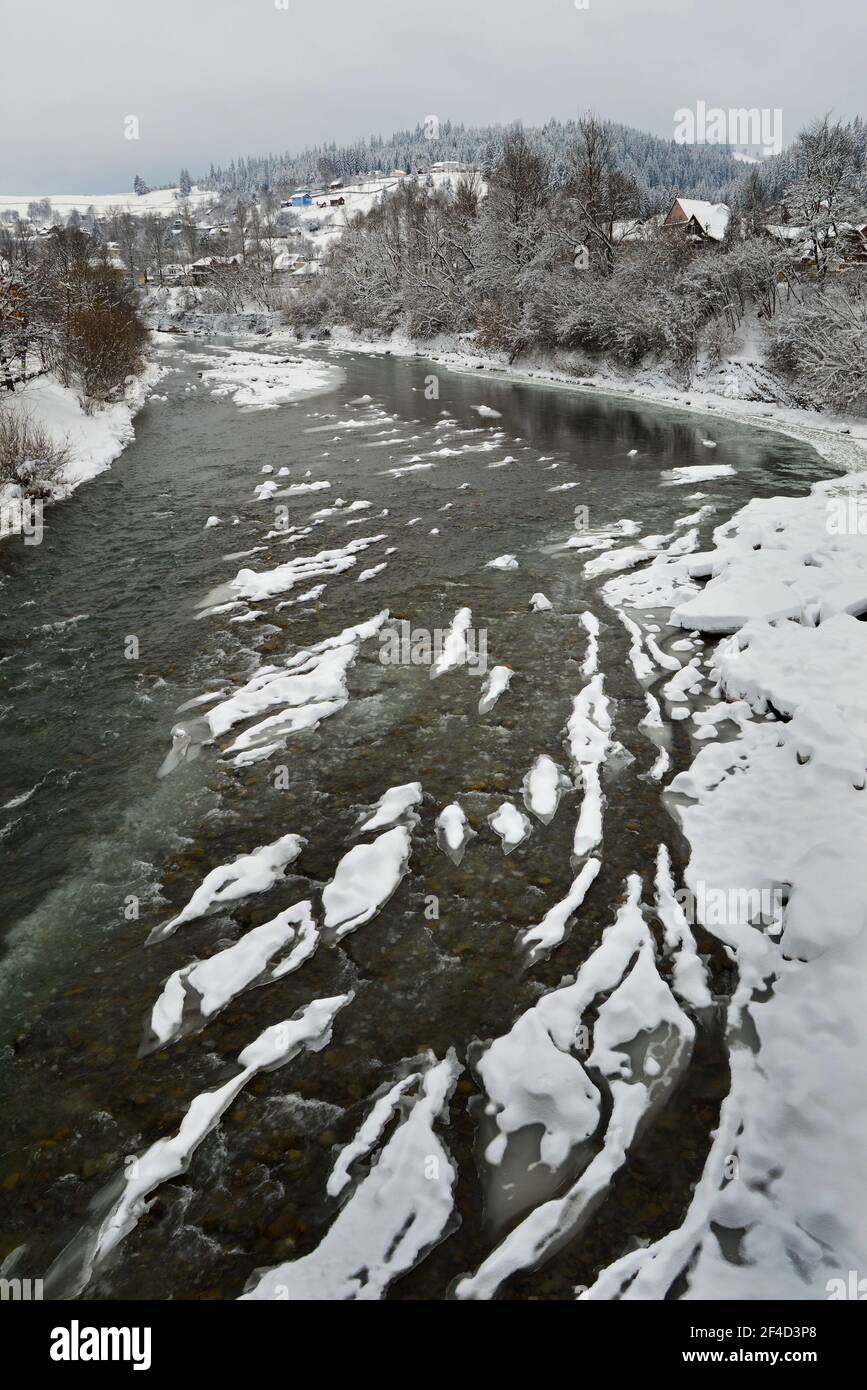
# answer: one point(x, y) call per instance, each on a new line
point(94, 439)
point(775, 809)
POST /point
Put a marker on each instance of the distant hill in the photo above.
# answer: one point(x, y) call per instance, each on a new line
point(661, 167)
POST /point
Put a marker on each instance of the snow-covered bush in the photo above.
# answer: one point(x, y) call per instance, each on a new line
point(29, 457)
point(103, 345)
point(308, 304)
point(65, 308)
point(820, 344)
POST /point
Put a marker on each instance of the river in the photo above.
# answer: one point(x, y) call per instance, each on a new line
point(104, 637)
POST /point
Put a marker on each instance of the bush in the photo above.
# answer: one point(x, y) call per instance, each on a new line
point(495, 328)
point(821, 346)
point(76, 315)
point(306, 306)
point(105, 340)
point(29, 457)
point(717, 341)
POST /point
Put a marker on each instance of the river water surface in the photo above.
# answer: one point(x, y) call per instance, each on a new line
point(98, 850)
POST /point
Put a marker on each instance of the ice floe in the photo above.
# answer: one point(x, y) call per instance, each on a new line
point(205, 987)
point(256, 872)
point(540, 604)
point(294, 489)
point(364, 880)
point(453, 832)
point(308, 687)
point(454, 650)
point(372, 572)
point(552, 929)
point(588, 739)
point(256, 587)
point(543, 786)
point(590, 623)
point(689, 976)
point(640, 662)
point(528, 1080)
point(395, 804)
point(497, 682)
point(263, 381)
point(612, 561)
point(641, 1045)
point(698, 472)
point(393, 1216)
point(368, 1134)
point(511, 825)
point(310, 1029)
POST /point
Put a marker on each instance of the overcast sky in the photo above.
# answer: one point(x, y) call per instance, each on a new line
point(212, 79)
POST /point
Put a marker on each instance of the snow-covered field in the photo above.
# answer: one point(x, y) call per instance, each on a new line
point(162, 201)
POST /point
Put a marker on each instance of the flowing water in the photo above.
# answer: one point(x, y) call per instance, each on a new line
point(97, 850)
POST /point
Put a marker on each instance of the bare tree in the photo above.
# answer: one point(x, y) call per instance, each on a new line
point(824, 189)
point(600, 192)
point(155, 236)
point(128, 241)
point(240, 218)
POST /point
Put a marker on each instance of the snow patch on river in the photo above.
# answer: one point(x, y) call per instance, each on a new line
point(263, 381)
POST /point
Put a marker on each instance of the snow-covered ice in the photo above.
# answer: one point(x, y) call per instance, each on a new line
point(394, 1215)
point(364, 880)
point(544, 785)
point(263, 381)
point(247, 874)
point(395, 804)
point(511, 825)
point(453, 832)
point(496, 683)
point(209, 985)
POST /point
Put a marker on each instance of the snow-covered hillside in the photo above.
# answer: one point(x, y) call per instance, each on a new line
point(324, 224)
point(162, 201)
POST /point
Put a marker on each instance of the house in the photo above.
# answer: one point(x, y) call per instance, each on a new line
point(851, 244)
point(203, 269)
point(697, 219)
point(287, 260)
point(336, 183)
point(635, 229)
point(845, 245)
point(300, 200)
point(787, 232)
